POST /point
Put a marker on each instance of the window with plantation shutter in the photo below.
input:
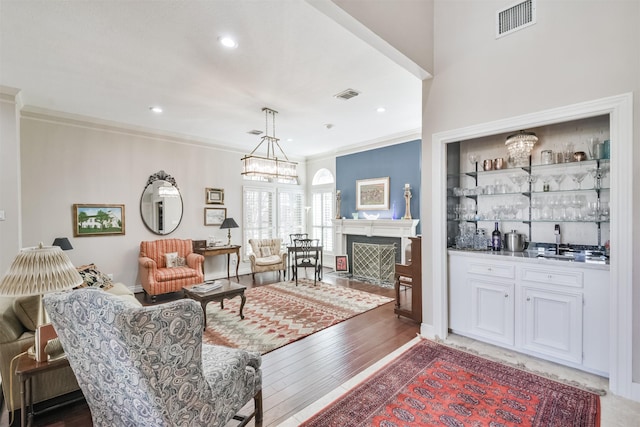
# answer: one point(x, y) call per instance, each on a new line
point(322, 227)
point(271, 213)
point(290, 213)
point(259, 220)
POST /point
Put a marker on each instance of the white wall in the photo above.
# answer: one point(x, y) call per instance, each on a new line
point(577, 51)
point(74, 162)
point(9, 176)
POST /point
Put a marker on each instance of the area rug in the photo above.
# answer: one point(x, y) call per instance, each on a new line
point(434, 385)
point(280, 313)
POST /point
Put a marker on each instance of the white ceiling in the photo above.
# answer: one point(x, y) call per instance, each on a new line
point(113, 60)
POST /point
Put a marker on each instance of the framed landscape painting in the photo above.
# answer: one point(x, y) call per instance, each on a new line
point(214, 216)
point(372, 194)
point(97, 220)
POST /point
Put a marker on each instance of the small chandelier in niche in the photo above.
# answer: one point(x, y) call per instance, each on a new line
point(269, 167)
point(519, 146)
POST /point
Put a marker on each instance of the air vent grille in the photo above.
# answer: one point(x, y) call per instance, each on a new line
point(347, 94)
point(254, 132)
point(515, 18)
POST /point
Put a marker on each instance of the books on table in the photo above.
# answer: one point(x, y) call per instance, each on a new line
point(206, 286)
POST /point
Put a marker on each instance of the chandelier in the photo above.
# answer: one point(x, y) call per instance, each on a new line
point(269, 167)
point(519, 146)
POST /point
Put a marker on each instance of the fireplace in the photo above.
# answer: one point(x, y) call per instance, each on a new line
point(373, 261)
point(347, 231)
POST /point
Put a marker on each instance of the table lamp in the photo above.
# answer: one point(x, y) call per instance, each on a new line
point(63, 242)
point(229, 223)
point(37, 271)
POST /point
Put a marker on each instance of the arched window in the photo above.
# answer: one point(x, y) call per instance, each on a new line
point(323, 204)
point(323, 176)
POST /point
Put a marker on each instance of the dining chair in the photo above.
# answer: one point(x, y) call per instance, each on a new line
point(306, 254)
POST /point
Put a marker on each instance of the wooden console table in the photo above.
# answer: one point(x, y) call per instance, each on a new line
point(222, 250)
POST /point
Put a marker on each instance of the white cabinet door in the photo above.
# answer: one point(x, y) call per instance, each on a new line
point(552, 323)
point(492, 310)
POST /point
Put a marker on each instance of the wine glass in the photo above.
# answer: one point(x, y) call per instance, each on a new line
point(578, 177)
point(532, 179)
point(518, 180)
point(558, 178)
point(473, 158)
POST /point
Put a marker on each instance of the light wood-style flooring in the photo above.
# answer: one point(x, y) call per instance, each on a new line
point(297, 374)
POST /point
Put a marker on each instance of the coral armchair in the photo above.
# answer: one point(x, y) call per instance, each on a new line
point(147, 366)
point(267, 255)
point(167, 265)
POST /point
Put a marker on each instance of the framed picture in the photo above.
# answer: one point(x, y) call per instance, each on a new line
point(214, 216)
point(214, 196)
point(372, 194)
point(97, 220)
point(342, 263)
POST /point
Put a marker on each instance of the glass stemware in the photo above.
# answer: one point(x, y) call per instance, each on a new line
point(473, 158)
point(578, 177)
point(558, 178)
point(546, 179)
point(532, 179)
point(518, 180)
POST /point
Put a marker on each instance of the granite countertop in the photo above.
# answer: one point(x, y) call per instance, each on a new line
point(533, 257)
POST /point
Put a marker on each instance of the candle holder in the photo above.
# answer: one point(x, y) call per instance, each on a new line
point(407, 199)
point(338, 201)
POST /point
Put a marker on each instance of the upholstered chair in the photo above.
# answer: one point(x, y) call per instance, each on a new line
point(167, 265)
point(267, 255)
point(147, 366)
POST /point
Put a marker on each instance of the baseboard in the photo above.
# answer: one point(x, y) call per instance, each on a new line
point(427, 331)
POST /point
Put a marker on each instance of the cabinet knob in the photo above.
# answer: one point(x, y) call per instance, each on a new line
point(528, 298)
point(488, 268)
point(506, 295)
point(549, 276)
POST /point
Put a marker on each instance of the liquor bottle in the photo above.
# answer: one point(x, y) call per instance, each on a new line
point(496, 239)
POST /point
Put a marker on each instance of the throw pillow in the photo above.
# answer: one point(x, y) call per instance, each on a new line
point(26, 310)
point(170, 259)
point(265, 252)
point(92, 277)
point(181, 261)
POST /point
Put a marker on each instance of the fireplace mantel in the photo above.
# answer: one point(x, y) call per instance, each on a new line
point(400, 228)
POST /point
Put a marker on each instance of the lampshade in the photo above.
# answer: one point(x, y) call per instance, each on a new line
point(39, 270)
point(229, 223)
point(63, 242)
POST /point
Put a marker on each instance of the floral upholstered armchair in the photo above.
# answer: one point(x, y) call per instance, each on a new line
point(147, 366)
point(267, 255)
point(167, 265)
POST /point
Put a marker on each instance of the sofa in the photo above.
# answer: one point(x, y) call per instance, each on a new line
point(167, 265)
point(18, 319)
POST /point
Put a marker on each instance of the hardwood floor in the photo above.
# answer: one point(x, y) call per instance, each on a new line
point(297, 374)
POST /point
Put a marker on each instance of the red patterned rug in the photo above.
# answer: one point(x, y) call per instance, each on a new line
point(434, 385)
point(278, 314)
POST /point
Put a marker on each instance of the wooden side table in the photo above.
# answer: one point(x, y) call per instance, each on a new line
point(26, 369)
point(228, 290)
point(222, 250)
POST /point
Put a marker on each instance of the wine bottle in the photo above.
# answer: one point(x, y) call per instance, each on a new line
point(496, 239)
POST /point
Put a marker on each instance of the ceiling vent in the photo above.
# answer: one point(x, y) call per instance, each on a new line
point(515, 17)
point(347, 94)
point(254, 132)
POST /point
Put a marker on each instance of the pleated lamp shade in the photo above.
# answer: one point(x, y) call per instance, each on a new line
point(39, 270)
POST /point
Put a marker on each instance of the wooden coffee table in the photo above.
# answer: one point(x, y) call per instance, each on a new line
point(228, 291)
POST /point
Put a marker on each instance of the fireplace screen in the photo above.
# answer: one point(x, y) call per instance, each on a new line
point(374, 262)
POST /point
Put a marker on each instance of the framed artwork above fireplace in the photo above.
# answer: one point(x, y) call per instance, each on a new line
point(372, 194)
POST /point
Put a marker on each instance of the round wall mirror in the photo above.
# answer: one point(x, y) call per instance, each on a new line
point(161, 204)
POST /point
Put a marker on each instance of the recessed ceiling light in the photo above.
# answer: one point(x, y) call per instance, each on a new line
point(228, 42)
point(381, 109)
point(156, 109)
point(289, 139)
